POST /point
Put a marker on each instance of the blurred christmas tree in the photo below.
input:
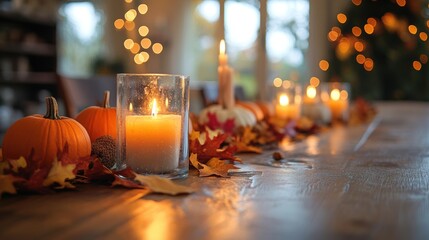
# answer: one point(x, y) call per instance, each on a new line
point(381, 48)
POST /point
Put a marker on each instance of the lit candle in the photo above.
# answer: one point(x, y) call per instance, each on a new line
point(338, 103)
point(153, 141)
point(226, 87)
point(286, 110)
point(310, 95)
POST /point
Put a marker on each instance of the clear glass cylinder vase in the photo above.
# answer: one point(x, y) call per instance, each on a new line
point(152, 121)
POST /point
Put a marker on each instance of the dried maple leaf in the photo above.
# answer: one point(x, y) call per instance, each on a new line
point(98, 172)
point(243, 142)
point(125, 182)
point(163, 185)
point(81, 163)
point(59, 173)
point(214, 167)
point(211, 148)
point(17, 164)
point(7, 184)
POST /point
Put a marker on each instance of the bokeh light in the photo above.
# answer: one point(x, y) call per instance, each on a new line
point(157, 48)
point(324, 65)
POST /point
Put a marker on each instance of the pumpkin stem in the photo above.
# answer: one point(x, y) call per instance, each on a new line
point(106, 101)
point(51, 108)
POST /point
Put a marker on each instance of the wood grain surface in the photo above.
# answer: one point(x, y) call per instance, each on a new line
point(356, 182)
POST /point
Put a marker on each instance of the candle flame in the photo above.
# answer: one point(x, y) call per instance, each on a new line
point(154, 108)
point(335, 94)
point(131, 107)
point(284, 100)
point(311, 92)
point(166, 102)
point(222, 47)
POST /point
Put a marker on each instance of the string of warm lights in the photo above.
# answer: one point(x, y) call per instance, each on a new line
point(346, 45)
point(139, 47)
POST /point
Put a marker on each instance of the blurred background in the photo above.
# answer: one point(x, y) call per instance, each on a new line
point(47, 47)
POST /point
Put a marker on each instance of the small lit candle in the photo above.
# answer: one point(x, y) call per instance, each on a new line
point(338, 103)
point(153, 141)
point(286, 110)
point(310, 95)
point(226, 86)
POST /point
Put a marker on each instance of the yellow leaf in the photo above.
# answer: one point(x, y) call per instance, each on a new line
point(216, 167)
point(194, 135)
point(163, 185)
point(18, 163)
point(59, 174)
point(6, 184)
point(4, 166)
point(194, 161)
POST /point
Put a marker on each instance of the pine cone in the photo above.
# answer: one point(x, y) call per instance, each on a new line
point(104, 148)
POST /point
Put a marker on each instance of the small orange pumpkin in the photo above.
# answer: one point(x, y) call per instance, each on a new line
point(46, 136)
point(99, 121)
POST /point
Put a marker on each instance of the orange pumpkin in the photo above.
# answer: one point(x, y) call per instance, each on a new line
point(267, 108)
point(46, 136)
point(99, 121)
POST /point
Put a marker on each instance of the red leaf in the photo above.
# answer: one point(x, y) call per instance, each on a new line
point(211, 148)
point(98, 172)
point(81, 163)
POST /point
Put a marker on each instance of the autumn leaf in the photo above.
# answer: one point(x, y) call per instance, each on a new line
point(6, 184)
point(17, 164)
point(125, 182)
point(214, 167)
point(4, 165)
point(59, 173)
point(244, 141)
point(211, 148)
point(81, 163)
point(163, 185)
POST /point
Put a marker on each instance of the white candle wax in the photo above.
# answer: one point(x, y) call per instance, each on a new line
point(153, 142)
point(338, 104)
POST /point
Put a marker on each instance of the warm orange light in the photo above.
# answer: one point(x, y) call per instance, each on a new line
point(389, 20)
point(359, 46)
point(423, 58)
point(372, 21)
point(130, 15)
point(324, 65)
point(287, 84)
point(128, 1)
point(417, 65)
point(119, 23)
point(314, 81)
point(333, 36)
point(142, 8)
point(277, 82)
point(423, 36)
point(401, 3)
point(128, 43)
point(427, 23)
point(343, 49)
point(138, 59)
point(341, 17)
point(143, 31)
point(357, 2)
point(356, 31)
point(130, 25)
point(369, 29)
point(368, 64)
point(145, 56)
point(284, 100)
point(360, 58)
point(154, 108)
point(311, 92)
point(146, 43)
point(222, 47)
point(157, 48)
point(335, 94)
point(135, 48)
point(131, 107)
point(412, 29)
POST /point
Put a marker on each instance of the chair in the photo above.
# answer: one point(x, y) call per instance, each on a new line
point(79, 93)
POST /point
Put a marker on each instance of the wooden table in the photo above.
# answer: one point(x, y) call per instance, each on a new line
point(365, 182)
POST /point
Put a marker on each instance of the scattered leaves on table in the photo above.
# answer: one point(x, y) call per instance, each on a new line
point(245, 141)
point(213, 167)
point(214, 124)
point(163, 185)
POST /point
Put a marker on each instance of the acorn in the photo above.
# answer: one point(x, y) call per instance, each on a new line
point(104, 148)
point(278, 156)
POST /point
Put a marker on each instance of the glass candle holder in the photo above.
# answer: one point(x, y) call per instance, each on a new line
point(288, 101)
point(335, 95)
point(312, 107)
point(152, 120)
